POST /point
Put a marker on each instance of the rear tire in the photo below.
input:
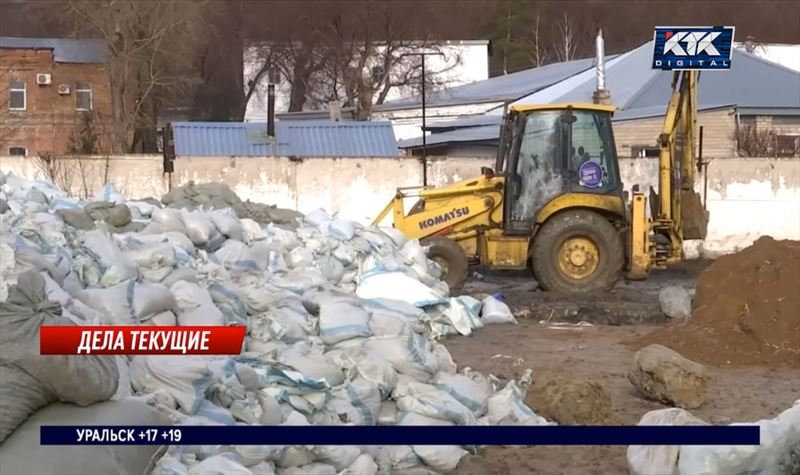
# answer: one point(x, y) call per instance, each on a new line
point(578, 251)
point(449, 255)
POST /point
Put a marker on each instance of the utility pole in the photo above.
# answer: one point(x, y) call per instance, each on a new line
point(422, 55)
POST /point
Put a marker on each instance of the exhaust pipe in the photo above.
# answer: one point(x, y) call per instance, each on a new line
point(601, 95)
point(271, 110)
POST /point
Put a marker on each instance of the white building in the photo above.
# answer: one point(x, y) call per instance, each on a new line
point(461, 62)
point(787, 55)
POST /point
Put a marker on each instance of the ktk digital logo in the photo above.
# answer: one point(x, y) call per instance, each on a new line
point(695, 47)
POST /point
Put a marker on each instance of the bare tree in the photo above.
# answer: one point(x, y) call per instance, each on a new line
point(151, 48)
point(536, 51)
point(368, 61)
point(567, 45)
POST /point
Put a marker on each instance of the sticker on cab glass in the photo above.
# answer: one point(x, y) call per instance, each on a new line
point(590, 174)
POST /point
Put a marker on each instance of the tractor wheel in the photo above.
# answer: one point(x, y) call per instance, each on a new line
point(578, 251)
point(451, 258)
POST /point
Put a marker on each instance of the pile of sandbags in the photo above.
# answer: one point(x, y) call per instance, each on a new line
point(31, 381)
point(342, 325)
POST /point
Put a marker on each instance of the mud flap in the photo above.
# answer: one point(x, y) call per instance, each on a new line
point(694, 219)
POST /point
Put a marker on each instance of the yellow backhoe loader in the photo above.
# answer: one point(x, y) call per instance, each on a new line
point(555, 201)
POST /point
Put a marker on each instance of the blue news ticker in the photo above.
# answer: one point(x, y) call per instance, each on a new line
point(400, 435)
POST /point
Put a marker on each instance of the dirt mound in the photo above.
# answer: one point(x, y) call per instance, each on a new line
point(746, 310)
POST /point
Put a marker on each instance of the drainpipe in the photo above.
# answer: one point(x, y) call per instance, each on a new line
point(601, 95)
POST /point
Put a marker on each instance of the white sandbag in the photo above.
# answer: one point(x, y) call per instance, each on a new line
point(507, 406)
point(151, 299)
point(362, 465)
point(129, 303)
point(115, 265)
point(443, 458)
point(251, 455)
point(462, 316)
point(311, 365)
point(219, 465)
point(331, 269)
point(237, 255)
point(444, 360)
point(142, 209)
point(370, 366)
point(416, 419)
point(295, 456)
point(155, 261)
point(185, 378)
point(251, 230)
point(650, 459)
point(300, 258)
point(778, 437)
point(341, 229)
point(393, 458)
point(315, 468)
point(342, 320)
point(195, 305)
point(495, 311)
point(469, 388)
point(388, 415)
point(340, 456)
point(398, 286)
point(199, 227)
point(435, 403)
point(317, 217)
point(409, 354)
point(109, 194)
point(227, 223)
point(169, 465)
point(264, 468)
point(168, 219)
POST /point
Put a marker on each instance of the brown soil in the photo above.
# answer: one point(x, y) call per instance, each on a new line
point(735, 394)
point(746, 310)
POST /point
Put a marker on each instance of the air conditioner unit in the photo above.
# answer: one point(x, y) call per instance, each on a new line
point(63, 89)
point(44, 79)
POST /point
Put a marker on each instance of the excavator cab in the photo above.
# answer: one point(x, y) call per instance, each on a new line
point(556, 150)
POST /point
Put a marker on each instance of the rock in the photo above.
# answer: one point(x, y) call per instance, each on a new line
point(569, 402)
point(675, 302)
point(77, 218)
point(663, 375)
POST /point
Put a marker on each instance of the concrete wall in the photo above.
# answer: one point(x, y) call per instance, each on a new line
point(747, 197)
point(136, 176)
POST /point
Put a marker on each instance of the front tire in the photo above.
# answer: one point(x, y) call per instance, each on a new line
point(449, 255)
point(578, 251)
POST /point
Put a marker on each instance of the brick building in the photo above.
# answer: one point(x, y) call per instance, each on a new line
point(51, 91)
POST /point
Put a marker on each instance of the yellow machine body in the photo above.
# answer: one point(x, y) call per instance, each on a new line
point(475, 213)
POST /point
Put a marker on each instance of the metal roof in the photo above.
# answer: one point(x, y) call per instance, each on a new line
point(752, 84)
point(497, 89)
point(65, 50)
point(292, 139)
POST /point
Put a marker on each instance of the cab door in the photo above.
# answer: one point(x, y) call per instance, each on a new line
point(534, 168)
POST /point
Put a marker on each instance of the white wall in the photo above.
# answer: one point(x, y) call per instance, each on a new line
point(747, 197)
point(462, 62)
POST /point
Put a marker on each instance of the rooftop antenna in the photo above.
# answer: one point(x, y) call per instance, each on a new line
point(601, 95)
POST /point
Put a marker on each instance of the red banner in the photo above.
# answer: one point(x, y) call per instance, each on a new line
point(141, 340)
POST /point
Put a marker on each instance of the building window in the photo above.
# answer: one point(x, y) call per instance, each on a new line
point(18, 151)
point(18, 99)
point(644, 151)
point(83, 97)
